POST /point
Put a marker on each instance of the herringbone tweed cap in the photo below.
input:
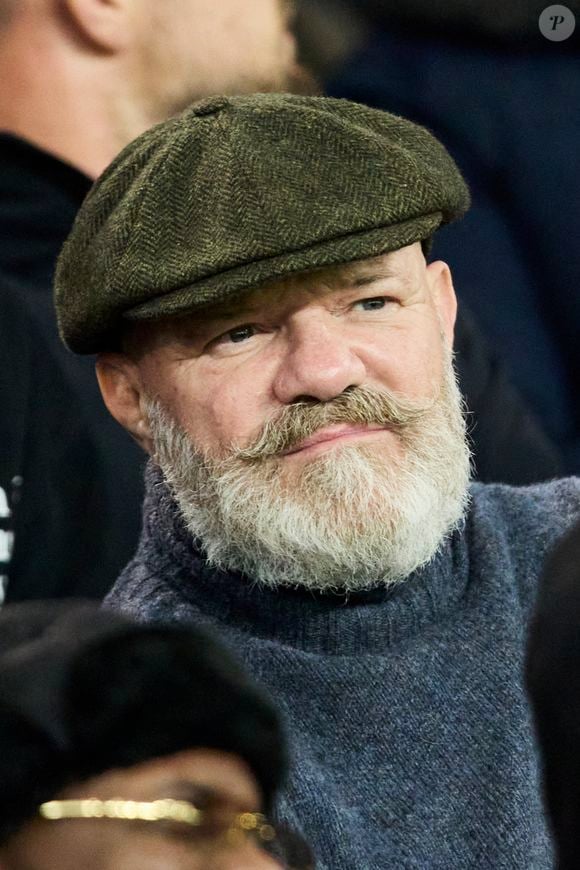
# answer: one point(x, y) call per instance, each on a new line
point(239, 191)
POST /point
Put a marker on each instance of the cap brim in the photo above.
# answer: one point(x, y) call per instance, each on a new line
point(229, 283)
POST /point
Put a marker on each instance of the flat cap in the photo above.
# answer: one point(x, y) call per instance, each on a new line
point(239, 191)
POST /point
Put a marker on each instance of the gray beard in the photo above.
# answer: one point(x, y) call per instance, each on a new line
point(351, 517)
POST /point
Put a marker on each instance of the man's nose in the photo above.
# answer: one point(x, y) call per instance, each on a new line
point(318, 362)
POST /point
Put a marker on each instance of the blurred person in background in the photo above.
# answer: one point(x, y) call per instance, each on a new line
point(43, 435)
point(126, 747)
point(80, 79)
point(502, 98)
point(552, 668)
point(253, 276)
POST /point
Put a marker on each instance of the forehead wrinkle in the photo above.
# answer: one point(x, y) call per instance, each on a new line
point(327, 280)
point(339, 277)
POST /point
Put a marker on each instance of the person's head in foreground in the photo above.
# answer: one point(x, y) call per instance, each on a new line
point(127, 747)
point(552, 668)
point(253, 276)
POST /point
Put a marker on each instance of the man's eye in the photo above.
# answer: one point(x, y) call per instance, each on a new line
point(241, 333)
point(222, 339)
point(382, 300)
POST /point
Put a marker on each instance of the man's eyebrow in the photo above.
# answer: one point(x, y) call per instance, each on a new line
point(364, 279)
point(227, 313)
point(371, 278)
point(230, 308)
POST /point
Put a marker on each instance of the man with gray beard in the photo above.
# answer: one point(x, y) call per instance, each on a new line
point(252, 520)
point(253, 276)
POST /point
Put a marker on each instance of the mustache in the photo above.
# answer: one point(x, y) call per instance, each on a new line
point(356, 405)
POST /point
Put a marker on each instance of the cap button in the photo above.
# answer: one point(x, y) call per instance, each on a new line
point(211, 106)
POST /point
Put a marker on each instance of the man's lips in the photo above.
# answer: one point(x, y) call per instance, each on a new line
point(331, 433)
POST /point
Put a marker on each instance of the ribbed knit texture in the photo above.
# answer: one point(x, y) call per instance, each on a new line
point(237, 191)
point(411, 735)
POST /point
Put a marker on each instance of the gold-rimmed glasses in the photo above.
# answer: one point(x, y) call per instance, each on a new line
point(230, 829)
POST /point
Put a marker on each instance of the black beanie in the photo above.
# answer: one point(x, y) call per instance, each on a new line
point(84, 690)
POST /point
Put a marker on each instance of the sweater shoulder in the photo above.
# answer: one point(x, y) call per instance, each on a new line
point(139, 592)
point(516, 527)
point(543, 509)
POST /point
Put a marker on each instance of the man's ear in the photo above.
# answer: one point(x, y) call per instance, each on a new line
point(124, 396)
point(102, 24)
point(443, 293)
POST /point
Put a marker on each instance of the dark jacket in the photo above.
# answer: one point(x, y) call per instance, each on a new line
point(77, 521)
point(509, 444)
point(60, 516)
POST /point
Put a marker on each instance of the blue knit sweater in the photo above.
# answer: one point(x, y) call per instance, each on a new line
point(410, 732)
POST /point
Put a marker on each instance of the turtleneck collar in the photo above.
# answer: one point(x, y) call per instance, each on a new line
point(39, 199)
point(316, 622)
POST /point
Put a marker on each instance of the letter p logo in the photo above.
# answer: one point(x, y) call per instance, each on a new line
point(557, 23)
